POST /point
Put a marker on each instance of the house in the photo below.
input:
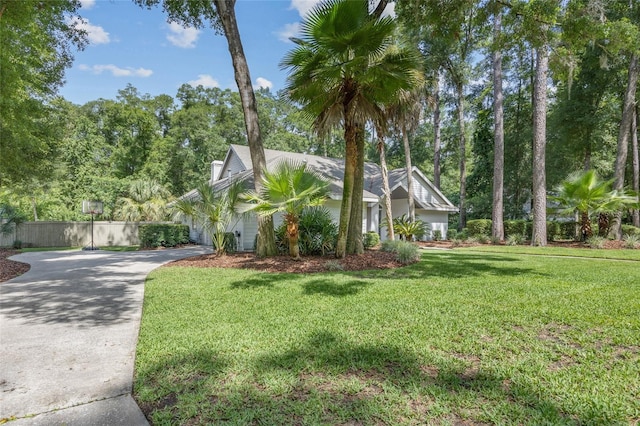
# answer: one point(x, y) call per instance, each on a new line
point(431, 205)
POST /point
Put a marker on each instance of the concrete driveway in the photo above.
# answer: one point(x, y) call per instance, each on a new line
point(68, 334)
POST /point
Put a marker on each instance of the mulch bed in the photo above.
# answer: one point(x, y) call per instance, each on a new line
point(373, 259)
point(10, 268)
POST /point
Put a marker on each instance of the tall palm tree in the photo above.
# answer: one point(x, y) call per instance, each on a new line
point(587, 195)
point(289, 189)
point(342, 70)
point(146, 200)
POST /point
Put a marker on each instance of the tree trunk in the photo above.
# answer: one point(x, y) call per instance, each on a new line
point(463, 160)
point(407, 161)
point(436, 134)
point(635, 165)
point(628, 111)
point(266, 244)
point(293, 234)
point(350, 162)
point(497, 215)
point(354, 234)
point(385, 185)
point(539, 235)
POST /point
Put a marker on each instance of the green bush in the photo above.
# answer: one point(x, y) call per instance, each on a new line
point(596, 242)
point(230, 242)
point(631, 241)
point(553, 230)
point(408, 230)
point(437, 235)
point(630, 230)
point(515, 240)
point(568, 230)
point(406, 252)
point(370, 239)
point(477, 227)
point(517, 227)
point(163, 235)
point(318, 233)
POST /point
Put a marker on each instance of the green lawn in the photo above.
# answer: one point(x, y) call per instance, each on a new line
point(459, 337)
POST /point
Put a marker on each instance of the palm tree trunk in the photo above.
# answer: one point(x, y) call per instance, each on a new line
point(497, 215)
point(635, 165)
point(385, 185)
point(539, 234)
point(436, 134)
point(628, 111)
point(293, 233)
point(407, 161)
point(350, 162)
point(266, 245)
point(354, 235)
point(585, 225)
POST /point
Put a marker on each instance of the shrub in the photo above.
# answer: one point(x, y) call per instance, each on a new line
point(483, 239)
point(517, 227)
point(630, 230)
point(163, 235)
point(407, 230)
point(406, 252)
point(17, 244)
point(477, 227)
point(462, 235)
point(390, 246)
point(553, 230)
point(631, 241)
point(437, 235)
point(472, 240)
point(456, 242)
point(318, 233)
point(596, 242)
point(230, 243)
point(515, 240)
point(568, 230)
point(370, 239)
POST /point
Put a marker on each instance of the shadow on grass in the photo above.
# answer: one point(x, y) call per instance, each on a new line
point(455, 265)
point(328, 287)
point(328, 379)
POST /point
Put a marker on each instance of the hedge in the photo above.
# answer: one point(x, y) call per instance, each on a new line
point(370, 239)
point(630, 230)
point(163, 235)
point(478, 227)
point(517, 227)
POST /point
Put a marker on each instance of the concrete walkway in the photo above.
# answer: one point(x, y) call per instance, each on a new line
point(68, 335)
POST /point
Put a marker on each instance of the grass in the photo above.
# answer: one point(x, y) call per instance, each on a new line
point(458, 337)
point(620, 254)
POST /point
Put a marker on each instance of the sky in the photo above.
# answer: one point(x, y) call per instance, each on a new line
point(129, 44)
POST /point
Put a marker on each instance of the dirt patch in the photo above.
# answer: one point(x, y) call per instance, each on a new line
point(373, 259)
point(10, 268)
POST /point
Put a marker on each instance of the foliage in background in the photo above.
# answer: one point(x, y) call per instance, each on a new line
point(146, 201)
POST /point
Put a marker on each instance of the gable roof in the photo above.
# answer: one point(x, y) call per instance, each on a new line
point(332, 169)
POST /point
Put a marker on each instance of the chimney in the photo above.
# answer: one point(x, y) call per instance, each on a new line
point(216, 169)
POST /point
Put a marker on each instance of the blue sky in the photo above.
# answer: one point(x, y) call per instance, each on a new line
point(129, 44)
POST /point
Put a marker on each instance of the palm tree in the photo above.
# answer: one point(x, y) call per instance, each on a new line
point(146, 201)
point(213, 209)
point(343, 69)
point(587, 195)
point(289, 189)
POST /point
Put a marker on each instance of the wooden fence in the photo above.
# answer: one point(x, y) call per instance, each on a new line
point(73, 234)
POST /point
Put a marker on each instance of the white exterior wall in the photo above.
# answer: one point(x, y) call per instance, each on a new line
point(438, 221)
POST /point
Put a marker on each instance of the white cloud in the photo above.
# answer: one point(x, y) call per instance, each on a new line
point(87, 4)
point(183, 37)
point(263, 83)
point(204, 80)
point(95, 33)
point(288, 31)
point(303, 6)
point(117, 71)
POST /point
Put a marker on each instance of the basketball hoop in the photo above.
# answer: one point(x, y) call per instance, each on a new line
point(92, 208)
